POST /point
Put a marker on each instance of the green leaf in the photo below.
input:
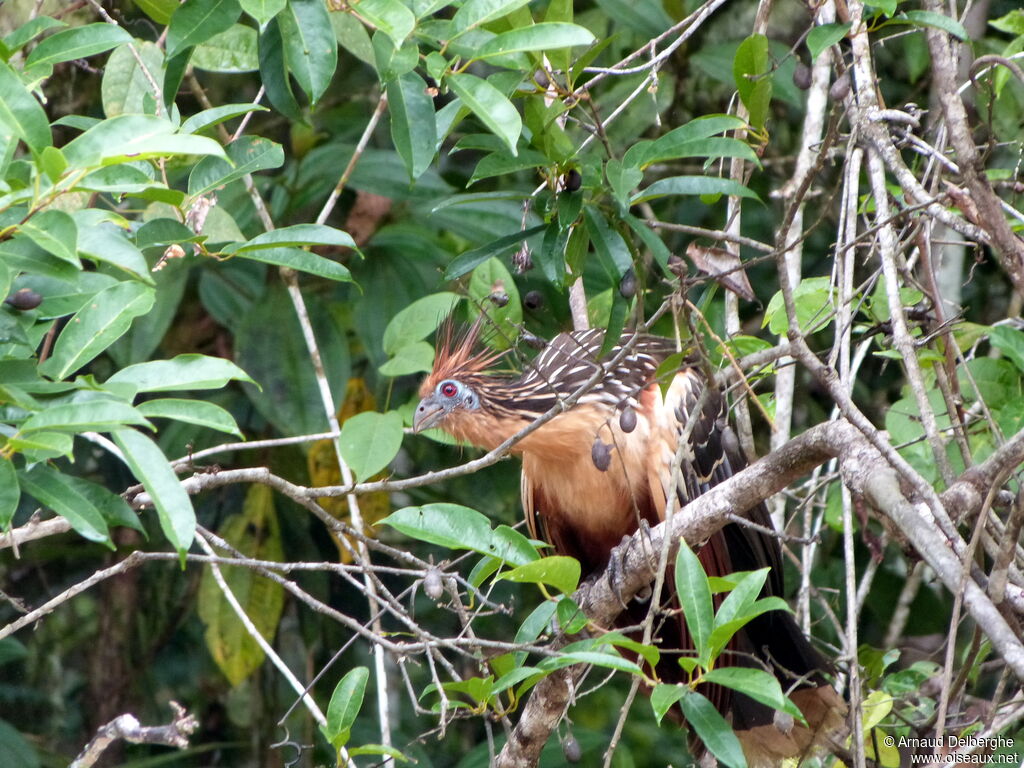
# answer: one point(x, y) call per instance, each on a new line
point(571, 618)
point(346, 702)
point(597, 659)
point(713, 730)
point(263, 10)
point(216, 115)
point(536, 37)
point(128, 75)
point(369, 441)
point(310, 49)
point(725, 629)
point(751, 71)
point(813, 299)
point(174, 507)
point(664, 696)
point(490, 105)
point(97, 415)
point(96, 326)
point(55, 232)
point(10, 493)
point(103, 241)
point(245, 155)
point(608, 243)
point(741, 596)
point(43, 445)
point(391, 17)
point(77, 43)
point(413, 128)
point(490, 278)
point(295, 235)
point(21, 113)
point(1012, 22)
point(457, 527)
point(1010, 342)
point(303, 261)
point(469, 260)
point(502, 164)
point(758, 684)
point(196, 412)
point(694, 597)
point(130, 138)
point(184, 372)
point(417, 357)
point(30, 30)
point(63, 494)
point(693, 185)
point(825, 36)
point(418, 320)
point(563, 573)
point(234, 50)
point(936, 20)
point(197, 21)
point(475, 13)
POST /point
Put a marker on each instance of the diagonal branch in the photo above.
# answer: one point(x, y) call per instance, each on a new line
point(865, 471)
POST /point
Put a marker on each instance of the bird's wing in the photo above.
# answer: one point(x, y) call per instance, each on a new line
point(571, 359)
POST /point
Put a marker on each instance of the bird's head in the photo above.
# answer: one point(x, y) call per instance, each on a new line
point(455, 386)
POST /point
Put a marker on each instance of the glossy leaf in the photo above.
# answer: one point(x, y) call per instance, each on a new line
point(758, 684)
point(310, 50)
point(712, 729)
point(216, 115)
point(55, 232)
point(417, 357)
point(493, 292)
point(369, 441)
point(129, 138)
point(391, 17)
point(490, 105)
point(77, 43)
point(469, 260)
point(10, 493)
point(184, 372)
point(236, 49)
point(174, 507)
point(197, 21)
point(937, 21)
point(96, 326)
point(563, 573)
point(96, 415)
point(825, 36)
point(245, 155)
point(196, 412)
point(693, 185)
point(751, 71)
point(263, 10)
point(298, 259)
point(21, 113)
point(413, 129)
point(128, 77)
point(536, 37)
point(62, 494)
point(694, 596)
point(295, 235)
point(457, 527)
point(346, 701)
point(664, 696)
point(418, 320)
point(474, 13)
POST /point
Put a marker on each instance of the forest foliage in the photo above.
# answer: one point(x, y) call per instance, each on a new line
point(229, 230)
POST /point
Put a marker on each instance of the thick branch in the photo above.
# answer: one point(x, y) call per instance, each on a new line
point(864, 470)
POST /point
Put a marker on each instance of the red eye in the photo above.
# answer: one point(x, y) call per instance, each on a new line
point(448, 389)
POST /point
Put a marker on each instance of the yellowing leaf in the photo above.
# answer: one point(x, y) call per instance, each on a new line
point(256, 533)
point(323, 470)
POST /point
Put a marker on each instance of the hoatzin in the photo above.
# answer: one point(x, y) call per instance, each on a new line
point(593, 473)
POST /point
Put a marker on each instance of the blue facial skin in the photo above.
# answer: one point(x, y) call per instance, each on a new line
point(446, 397)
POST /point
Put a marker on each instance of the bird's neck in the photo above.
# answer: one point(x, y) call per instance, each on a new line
point(484, 430)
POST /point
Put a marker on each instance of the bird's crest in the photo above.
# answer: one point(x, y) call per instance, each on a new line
point(458, 355)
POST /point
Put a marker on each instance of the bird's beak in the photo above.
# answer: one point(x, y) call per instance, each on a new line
point(428, 414)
